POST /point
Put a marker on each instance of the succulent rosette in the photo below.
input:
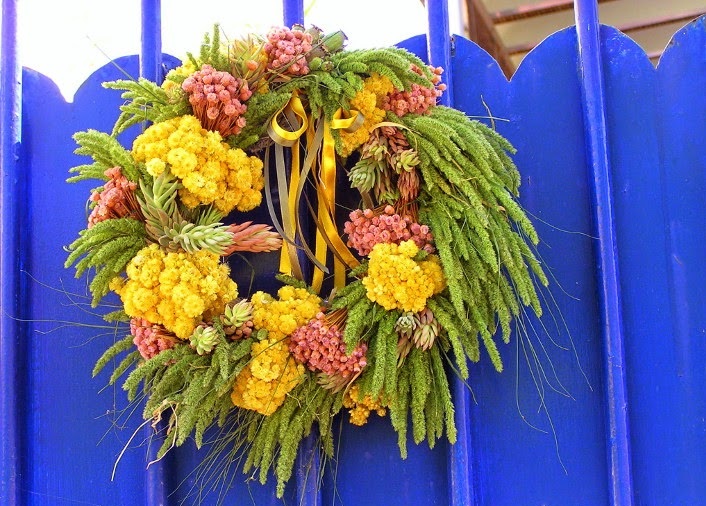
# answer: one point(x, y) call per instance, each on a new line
point(433, 264)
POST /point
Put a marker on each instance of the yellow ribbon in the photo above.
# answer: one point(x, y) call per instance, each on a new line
point(295, 115)
point(293, 111)
point(327, 233)
point(327, 236)
point(348, 121)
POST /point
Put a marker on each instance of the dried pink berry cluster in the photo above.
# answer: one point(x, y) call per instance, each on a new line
point(319, 345)
point(115, 200)
point(286, 51)
point(419, 99)
point(218, 99)
point(367, 228)
point(150, 339)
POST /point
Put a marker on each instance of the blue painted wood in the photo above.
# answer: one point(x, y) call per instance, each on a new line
point(74, 431)
point(659, 189)
point(681, 77)
point(439, 42)
point(460, 457)
point(530, 446)
point(12, 193)
point(293, 12)
point(156, 490)
point(594, 111)
point(151, 46)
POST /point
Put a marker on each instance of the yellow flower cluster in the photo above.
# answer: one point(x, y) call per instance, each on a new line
point(280, 318)
point(209, 170)
point(396, 281)
point(170, 85)
point(264, 383)
point(177, 290)
point(368, 102)
point(360, 409)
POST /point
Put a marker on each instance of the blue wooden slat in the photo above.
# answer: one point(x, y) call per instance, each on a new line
point(73, 443)
point(632, 127)
point(151, 47)
point(156, 491)
point(682, 79)
point(293, 12)
point(516, 459)
point(659, 191)
point(592, 91)
point(460, 457)
point(367, 468)
point(12, 196)
point(439, 44)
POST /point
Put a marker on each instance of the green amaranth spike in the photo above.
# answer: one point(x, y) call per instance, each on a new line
point(145, 101)
point(467, 200)
point(106, 247)
point(420, 386)
point(106, 152)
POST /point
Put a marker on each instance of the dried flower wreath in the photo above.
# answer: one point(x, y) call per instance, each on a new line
point(437, 258)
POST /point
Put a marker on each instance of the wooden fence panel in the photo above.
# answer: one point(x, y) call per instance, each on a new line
point(541, 432)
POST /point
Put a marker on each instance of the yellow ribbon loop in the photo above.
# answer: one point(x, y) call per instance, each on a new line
point(319, 143)
point(348, 121)
point(295, 115)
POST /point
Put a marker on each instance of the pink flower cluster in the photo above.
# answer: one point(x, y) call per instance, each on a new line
point(150, 339)
point(218, 99)
point(115, 200)
point(320, 346)
point(367, 228)
point(286, 51)
point(419, 99)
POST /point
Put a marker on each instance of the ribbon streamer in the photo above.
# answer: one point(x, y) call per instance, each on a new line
point(320, 146)
point(326, 191)
point(295, 114)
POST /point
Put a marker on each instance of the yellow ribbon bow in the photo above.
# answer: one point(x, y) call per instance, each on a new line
point(318, 140)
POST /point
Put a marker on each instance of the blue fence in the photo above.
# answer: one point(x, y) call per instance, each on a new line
point(611, 411)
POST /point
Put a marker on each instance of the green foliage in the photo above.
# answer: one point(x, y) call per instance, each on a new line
point(296, 283)
point(118, 315)
point(145, 101)
point(261, 109)
point(455, 333)
point(359, 325)
point(212, 52)
point(113, 351)
point(191, 238)
point(333, 86)
point(107, 247)
point(480, 230)
point(392, 62)
point(106, 152)
point(439, 410)
point(193, 389)
point(349, 295)
point(380, 374)
point(277, 438)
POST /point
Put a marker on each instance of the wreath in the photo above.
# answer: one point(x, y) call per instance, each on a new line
point(375, 310)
